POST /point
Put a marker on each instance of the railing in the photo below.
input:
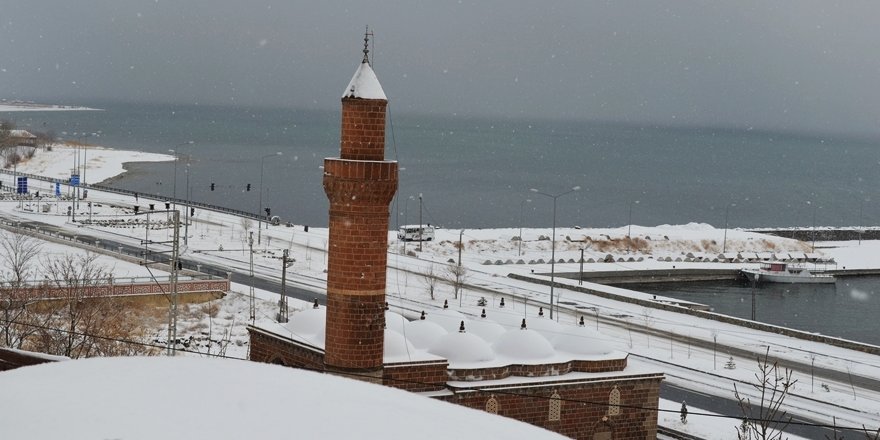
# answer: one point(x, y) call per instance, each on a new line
point(48, 290)
point(105, 188)
point(108, 280)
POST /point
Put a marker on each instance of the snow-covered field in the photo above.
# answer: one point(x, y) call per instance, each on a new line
point(222, 239)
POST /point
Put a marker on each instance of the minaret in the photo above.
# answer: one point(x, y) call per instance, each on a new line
point(360, 185)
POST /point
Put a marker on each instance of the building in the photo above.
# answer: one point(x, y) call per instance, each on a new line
point(22, 138)
point(562, 378)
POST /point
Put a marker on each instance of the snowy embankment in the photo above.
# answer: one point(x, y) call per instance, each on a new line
point(100, 163)
point(222, 239)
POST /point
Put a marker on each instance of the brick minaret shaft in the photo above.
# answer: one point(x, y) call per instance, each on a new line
point(360, 185)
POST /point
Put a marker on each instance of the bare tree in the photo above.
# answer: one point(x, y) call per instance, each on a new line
point(765, 419)
point(246, 224)
point(19, 252)
point(430, 277)
point(84, 324)
point(456, 276)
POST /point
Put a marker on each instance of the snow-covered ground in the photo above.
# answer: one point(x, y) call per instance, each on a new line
point(656, 338)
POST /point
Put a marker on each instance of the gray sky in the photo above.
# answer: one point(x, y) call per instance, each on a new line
point(788, 64)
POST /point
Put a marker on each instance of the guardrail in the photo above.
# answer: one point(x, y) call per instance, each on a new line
point(131, 193)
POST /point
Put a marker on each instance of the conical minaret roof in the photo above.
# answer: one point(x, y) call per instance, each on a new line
point(364, 84)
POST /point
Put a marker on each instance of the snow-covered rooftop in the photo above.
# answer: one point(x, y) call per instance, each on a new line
point(364, 84)
point(484, 343)
point(187, 398)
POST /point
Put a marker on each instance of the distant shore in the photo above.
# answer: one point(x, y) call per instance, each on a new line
point(20, 106)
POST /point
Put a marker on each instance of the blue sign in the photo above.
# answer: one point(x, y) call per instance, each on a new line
point(57, 189)
point(21, 187)
point(74, 179)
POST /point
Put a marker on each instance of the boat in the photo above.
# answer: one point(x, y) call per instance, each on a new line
point(782, 272)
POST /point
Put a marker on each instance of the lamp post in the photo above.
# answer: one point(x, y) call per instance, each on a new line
point(726, 216)
point(405, 220)
point(187, 208)
point(259, 213)
point(861, 230)
point(581, 277)
point(420, 222)
point(629, 223)
point(521, 204)
point(813, 244)
point(176, 154)
point(553, 241)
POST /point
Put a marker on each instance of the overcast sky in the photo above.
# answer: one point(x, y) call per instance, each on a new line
point(791, 65)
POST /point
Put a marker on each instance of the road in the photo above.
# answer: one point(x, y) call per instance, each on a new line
point(124, 248)
point(214, 262)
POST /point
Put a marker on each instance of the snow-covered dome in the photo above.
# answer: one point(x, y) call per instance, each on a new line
point(318, 339)
point(485, 328)
point(509, 318)
point(545, 326)
point(462, 347)
point(582, 340)
point(523, 344)
point(449, 319)
point(396, 345)
point(423, 333)
point(307, 322)
point(394, 321)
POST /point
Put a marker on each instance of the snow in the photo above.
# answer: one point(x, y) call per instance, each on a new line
point(654, 338)
point(462, 348)
point(364, 84)
point(188, 398)
point(100, 163)
point(422, 334)
point(524, 344)
point(582, 341)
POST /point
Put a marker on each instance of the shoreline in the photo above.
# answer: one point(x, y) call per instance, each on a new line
point(32, 107)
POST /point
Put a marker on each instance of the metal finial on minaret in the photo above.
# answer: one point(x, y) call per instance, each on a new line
point(367, 35)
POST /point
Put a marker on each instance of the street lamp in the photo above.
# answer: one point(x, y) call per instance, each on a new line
point(813, 245)
point(420, 222)
point(553, 242)
point(726, 214)
point(176, 154)
point(259, 213)
point(630, 224)
point(521, 204)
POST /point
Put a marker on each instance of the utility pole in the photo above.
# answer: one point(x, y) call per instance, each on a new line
point(175, 266)
point(581, 277)
point(754, 282)
point(420, 222)
point(253, 302)
point(282, 303)
point(460, 245)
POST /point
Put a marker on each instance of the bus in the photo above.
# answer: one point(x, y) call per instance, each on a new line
point(416, 233)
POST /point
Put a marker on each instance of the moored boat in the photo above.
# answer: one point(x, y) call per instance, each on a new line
point(781, 272)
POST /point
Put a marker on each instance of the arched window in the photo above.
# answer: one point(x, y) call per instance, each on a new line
point(555, 408)
point(614, 402)
point(492, 405)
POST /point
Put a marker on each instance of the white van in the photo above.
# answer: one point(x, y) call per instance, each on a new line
point(416, 233)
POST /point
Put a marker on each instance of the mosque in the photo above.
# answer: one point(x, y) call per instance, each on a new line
point(561, 378)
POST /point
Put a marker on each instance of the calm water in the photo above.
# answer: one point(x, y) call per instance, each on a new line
point(476, 172)
point(847, 309)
